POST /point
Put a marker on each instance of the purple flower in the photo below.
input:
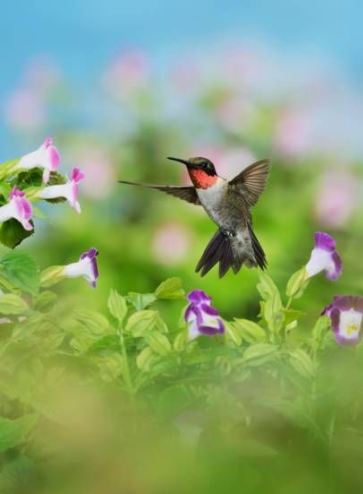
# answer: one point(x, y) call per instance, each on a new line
point(68, 190)
point(346, 314)
point(18, 208)
point(203, 319)
point(86, 267)
point(46, 157)
point(324, 257)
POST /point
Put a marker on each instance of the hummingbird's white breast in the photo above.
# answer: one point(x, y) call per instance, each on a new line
point(211, 199)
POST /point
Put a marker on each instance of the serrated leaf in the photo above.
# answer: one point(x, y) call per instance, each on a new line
point(14, 432)
point(260, 354)
point(292, 315)
point(11, 304)
point(232, 333)
point(272, 307)
point(45, 301)
point(297, 284)
point(141, 300)
point(302, 363)
point(94, 321)
point(145, 359)
point(141, 322)
point(170, 289)
point(117, 306)
point(181, 341)
point(158, 342)
point(105, 344)
point(249, 330)
point(21, 270)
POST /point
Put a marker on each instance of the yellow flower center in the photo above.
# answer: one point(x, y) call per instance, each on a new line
point(352, 328)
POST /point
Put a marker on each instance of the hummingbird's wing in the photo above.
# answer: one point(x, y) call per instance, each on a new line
point(251, 182)
point(186, 193)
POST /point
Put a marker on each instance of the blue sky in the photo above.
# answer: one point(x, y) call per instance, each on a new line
point(82, 35)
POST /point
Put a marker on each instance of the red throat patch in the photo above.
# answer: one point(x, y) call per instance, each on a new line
point(202, 180)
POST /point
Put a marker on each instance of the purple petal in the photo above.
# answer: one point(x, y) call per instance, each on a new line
point(92, 253)
point(324, 241)
point(198, 296)
point(208, 309)
point(210, 330)
point(338, 267)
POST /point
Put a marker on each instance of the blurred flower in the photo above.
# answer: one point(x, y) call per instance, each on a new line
point(100, 176)
point(293, 134)
point(171, 243)
point(324, 257)
point(68, 190)
point(86, 267)
point(128, 72)
point(46, 157)
point(18, 208)
point(42, 74)
point(346, 314)
point(336, 199)
point(24, 110)
point(203, 319)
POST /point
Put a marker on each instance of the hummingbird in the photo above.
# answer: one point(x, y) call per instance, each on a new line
point(228, 204)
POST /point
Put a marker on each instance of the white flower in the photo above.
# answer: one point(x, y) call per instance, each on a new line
point(18, 208)
point(68, 190)
point(46, 157)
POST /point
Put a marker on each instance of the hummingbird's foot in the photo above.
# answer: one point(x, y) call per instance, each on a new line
point(227, 233)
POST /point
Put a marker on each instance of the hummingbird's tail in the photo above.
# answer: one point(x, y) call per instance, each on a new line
point(232, 252)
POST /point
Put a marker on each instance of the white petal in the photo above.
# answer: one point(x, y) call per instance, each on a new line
point(319, 261)
point(350, 323)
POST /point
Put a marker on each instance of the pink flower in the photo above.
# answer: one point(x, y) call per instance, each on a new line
point(293, 134)
point(171, 244)
point(18, 208)
point(46, 157)
point(24, 110)
point(336, 199)
point(67, 191)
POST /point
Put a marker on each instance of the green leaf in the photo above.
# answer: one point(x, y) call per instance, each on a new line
point(141, 322)
point(12, 233)
point(21, 270)
point(140, 300)
point(45, 301)
point(170, 289)
point(302, 363)
point(292, 315)
point(260, 354)
point(249, 330)
point(14, 432)
point(117, 306)
point(105, 344)
point(272, 306)
point(322, 325)
point(145, 359)
point(181, 341)
point(93, 321)
point(297, 284)
point(158, 342)
point(12, 304)
point(232, 333)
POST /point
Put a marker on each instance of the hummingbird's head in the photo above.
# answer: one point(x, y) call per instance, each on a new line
point(201, 171)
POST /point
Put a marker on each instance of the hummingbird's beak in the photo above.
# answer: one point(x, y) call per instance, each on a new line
point(185, 162)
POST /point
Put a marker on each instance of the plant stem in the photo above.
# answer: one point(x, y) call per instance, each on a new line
point(125, 364)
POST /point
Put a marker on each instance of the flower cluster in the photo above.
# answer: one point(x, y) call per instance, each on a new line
point(47, 158)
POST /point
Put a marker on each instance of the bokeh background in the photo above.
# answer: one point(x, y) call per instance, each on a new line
point(122, 85)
